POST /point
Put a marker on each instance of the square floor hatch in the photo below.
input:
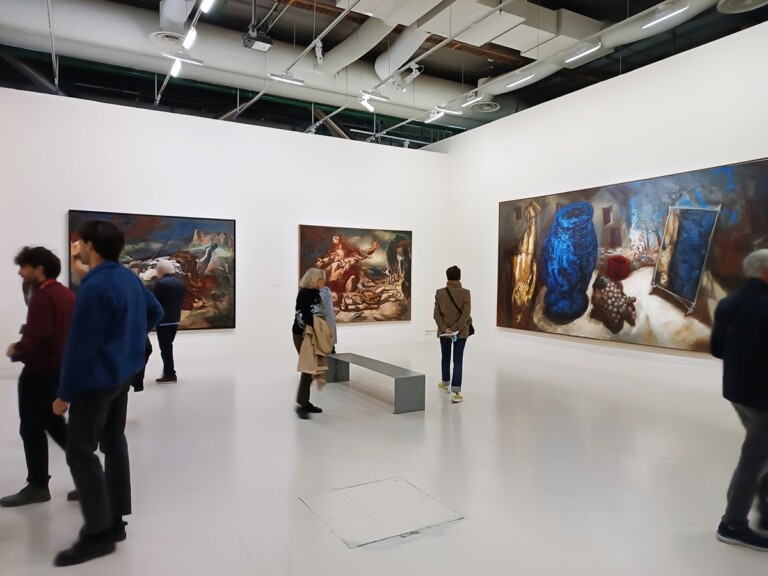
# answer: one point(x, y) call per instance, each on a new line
point(376, 511)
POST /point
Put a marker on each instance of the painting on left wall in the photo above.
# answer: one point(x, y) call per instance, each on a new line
point(203, 253)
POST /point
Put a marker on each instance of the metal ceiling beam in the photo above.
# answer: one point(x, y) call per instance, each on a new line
point(332, 126)
point(32, 75)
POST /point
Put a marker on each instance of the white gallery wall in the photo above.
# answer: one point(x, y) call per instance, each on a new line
point(58, 154)
point(702, 108)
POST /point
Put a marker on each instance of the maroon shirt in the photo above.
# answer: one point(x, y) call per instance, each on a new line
point(45, 333)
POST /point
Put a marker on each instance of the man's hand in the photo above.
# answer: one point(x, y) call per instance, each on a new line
point(60, 407)
point(11, 351)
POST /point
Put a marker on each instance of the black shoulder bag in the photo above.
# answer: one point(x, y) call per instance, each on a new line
point(471, 327)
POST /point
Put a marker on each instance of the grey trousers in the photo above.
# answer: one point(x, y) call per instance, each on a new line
point(750, 478)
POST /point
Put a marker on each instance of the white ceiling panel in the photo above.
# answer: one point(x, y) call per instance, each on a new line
point(571, 29)
point(539, 26)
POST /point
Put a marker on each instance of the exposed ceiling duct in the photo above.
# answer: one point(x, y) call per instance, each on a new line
point(357, 45)
point(739, 6)
point(656, 20)
point(174, 14)
point(401, 51)
point(116, 34)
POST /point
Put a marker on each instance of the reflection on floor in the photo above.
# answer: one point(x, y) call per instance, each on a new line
point(556, 471)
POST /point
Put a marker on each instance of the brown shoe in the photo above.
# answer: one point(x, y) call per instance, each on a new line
point(165, 378)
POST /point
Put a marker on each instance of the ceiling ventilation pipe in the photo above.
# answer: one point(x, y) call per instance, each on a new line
point(174, 14)
point(121, 35)
point(357, 45)
point(660, 18)
point(400, 52)
point(367, 36)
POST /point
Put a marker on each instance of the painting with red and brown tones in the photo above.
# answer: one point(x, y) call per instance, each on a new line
point(643, 262)
point(368, 271)
point(202, 251)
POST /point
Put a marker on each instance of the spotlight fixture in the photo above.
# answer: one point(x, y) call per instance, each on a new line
point(472, 97)
point(257, 40)
point(176, 68)
point(666, 13)
point(365, 104)
point(517, 80)
point(286, 77)
point(449, 110)
point(319, 52)
point(415, 71)
point(584, 50)
point(207, 5)
point(190, 38)
point(434, 115)
point(374, 95)
point(183, 57)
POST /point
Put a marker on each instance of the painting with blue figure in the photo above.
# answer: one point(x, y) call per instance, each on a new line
point(569, 257)
point(640, 262)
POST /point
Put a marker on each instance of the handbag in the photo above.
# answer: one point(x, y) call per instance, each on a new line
point(471, 327)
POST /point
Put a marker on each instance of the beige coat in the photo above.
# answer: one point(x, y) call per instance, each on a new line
point(317, 344)
point(447, 315)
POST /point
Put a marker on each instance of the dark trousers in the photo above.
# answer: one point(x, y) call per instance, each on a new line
point(138, 380)
point(97, 419)
point(458, 361)
point(165, 338)
point(302, 396)
point(37, 391)
point(750, 478)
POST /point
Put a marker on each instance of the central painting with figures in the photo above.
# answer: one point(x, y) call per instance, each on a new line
point(368, 271)
point(202, 251)
point(644, 262)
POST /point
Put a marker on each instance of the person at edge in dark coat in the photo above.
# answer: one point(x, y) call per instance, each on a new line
point(740, 339)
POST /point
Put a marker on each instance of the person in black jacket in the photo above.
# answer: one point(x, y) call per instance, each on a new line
point(169, 291)
point(740, 339)
point(308, 301)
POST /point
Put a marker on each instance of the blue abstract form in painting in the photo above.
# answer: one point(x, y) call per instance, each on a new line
point(569, 256)
point(690, 252)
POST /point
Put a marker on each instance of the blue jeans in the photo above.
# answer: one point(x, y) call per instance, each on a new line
point(458, 361)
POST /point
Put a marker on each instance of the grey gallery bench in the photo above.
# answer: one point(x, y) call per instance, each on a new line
point(409, 385)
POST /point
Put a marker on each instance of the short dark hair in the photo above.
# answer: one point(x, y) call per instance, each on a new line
point(107, 239)
point(39, 256)
point(453, 273)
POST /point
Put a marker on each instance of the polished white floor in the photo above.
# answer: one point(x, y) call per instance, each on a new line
point(554, 475)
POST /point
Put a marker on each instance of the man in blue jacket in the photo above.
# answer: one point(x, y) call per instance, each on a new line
point(740, 338)
point(105, 349)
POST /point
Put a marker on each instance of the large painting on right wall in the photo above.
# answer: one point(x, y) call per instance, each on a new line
point(643, 262)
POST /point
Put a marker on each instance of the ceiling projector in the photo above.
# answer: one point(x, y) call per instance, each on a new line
point(257, 41)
